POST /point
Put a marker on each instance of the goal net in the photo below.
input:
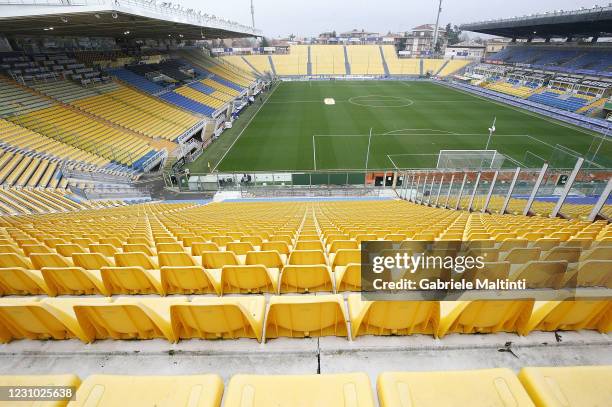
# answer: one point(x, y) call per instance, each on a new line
point(470, 159)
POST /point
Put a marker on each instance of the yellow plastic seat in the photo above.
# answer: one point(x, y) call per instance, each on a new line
point(474, 388)
point(541, 274)
point(219, 318)
point(348, 278)
point(307, 257)
point(135, 259)
point(9, 248)
point(40, 260)
point(303, 279)
point(308, 235)
point(132, 280)
point(113, 241)
point(344, 257)
point(32, 318)
point(164, 239)
point(575, 386)
point(512, 243)
point(306, 316)
point(392, 317)
point(107, 250)
point(142, 240)
point(9, 260)
point(309, 245)
point(569, 254)
point(394, 237)
point(546, 243)
point(597, 253)
point(365, 237)
point(138, 248)
point(239, 248)
point(74, 281)
point(177, 259)
point(521, 255)
point(269, 259)
point(281, 238)
point(570, 316)
point(20, 281)
point(68, 249)
point(127, 318)
point(64, 380)
point(146, 391)
point(583, 243)
point(594, 273)
point(197, 248)
point(332, 236)
point(169, 247)
point(81, 241)
point(235, 235)
point(249, 279)
point(221, 241)
point(343, 244)
point(53, 242)
point(35, 248)
point(91, 261)
point(347, 389)
point(279, 246)
point(254, 240)
point(189, 280)
point(483, 316)
point(216, 260)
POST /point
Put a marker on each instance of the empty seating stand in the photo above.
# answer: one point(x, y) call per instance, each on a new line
point(248, 258)
point(187, 103)
point(136, 80)
point(559, 101)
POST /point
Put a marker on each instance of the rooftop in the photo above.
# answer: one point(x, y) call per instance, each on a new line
point(108, 18)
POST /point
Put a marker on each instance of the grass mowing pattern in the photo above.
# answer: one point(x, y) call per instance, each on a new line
point(411, 122)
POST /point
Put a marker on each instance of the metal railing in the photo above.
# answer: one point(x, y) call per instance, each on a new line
point(576, 193)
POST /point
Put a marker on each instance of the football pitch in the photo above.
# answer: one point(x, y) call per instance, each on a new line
point(326, 125)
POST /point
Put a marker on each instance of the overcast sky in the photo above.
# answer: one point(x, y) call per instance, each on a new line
point(311, 17)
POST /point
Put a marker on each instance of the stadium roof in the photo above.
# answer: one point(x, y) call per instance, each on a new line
point(114, 18)
point(592, 22)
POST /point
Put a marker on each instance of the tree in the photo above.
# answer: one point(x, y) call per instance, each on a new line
point(453, 33)
point(264, 42)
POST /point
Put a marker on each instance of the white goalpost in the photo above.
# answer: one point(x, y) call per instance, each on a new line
point(470, 159)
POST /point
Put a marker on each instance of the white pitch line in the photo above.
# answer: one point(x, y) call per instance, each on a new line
point(528, 113)
point(245, 127)
point(420, 134)
point(392, 162)
point(314, 153)
point(302, 101)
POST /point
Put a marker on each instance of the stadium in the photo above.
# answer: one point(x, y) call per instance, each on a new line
point(194, 213)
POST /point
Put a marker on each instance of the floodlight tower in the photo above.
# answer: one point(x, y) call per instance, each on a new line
point(252, 14)
point(436, 29)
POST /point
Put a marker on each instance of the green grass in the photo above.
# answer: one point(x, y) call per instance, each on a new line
point(411, 123)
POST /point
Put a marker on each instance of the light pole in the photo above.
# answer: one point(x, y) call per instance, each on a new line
point(491, 131)
point(252, 14)
point(368, 153)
